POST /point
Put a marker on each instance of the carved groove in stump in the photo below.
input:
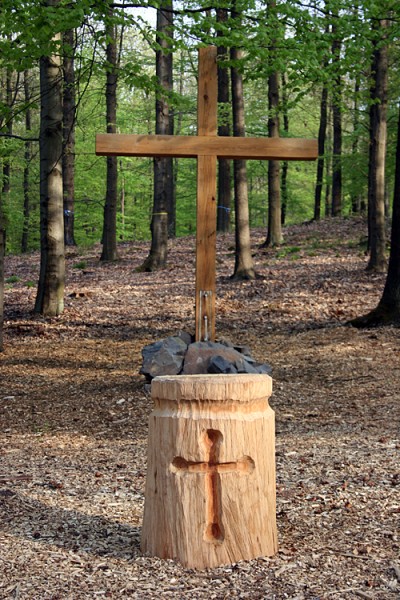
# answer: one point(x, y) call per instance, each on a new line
point(210, 485)
point(212, 440)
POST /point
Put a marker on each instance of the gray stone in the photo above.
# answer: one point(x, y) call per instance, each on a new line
point(244, 350)
point(164, 357)
point(199, 354)
point(176, 354)
point(219, 364)
point(185, 336)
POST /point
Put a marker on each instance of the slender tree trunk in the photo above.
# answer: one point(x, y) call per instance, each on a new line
point(6, 179)
point(321, 152)
point(285, 165)
point(337, 128)
point(377, 153)
point(69, 109)
point(322, 130)
point(50, 293)
point(328, 197)
point(163, 222)
point(274, 235)
point(244, 268)
point(2, 249)
point(110, 252)
point(356, 193)
point(388, 309)
point(224, 165)
point(28, 157)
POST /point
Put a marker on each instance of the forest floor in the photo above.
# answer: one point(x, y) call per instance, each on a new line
point(74, 411)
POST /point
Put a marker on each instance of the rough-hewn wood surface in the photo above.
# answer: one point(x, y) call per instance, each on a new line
point(74, 414)
point(210, 485)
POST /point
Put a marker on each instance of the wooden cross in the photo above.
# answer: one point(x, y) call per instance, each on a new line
point(212, 468)
point(207, 147)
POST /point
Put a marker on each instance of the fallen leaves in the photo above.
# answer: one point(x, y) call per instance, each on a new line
point(74, 413)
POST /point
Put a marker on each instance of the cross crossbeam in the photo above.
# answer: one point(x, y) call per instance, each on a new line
point(184, 146)
point(206, 147)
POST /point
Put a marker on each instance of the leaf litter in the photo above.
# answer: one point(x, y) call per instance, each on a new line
point(74, 416)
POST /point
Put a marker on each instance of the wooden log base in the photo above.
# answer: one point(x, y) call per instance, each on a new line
point(210, 488)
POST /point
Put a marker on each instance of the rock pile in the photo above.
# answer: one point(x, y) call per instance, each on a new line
point(179, 354)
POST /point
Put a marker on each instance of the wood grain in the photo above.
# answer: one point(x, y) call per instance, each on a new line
point(210, 488)
point(181, 146)
point(206, 222)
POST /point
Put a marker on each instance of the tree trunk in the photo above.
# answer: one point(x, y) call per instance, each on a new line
point(50, 294)
point(163, 222)
point(274, 235)
point(321, 151)
point(377, 153)
point(6, 177)
point(356, 194)
point(285, 165)
point(224, 165)
point(109, 240)
point(337, 129)
point(69, 109)
point(2, 248)
point(27, 156)
point(388, 310)
point(244, 268)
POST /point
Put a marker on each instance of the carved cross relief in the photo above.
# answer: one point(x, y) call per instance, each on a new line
point(212, 470)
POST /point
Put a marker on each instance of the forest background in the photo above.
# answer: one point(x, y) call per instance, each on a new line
point(302, 69)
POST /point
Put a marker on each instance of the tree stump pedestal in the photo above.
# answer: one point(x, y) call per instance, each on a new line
point(210, 487)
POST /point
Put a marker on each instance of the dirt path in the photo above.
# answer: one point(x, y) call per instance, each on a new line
point(74, 413)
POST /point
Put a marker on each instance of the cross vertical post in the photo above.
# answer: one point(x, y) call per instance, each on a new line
point(206, 229)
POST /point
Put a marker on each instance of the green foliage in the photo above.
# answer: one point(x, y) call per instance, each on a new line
point(80, 265)
point(305, 36)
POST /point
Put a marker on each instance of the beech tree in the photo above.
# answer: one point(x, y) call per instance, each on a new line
point(163, 216)
point(27, 157)
point(244, 268)
point(274, 234)
point(388, 309)
point(224, 165)
point(109, 238)
point(2, 248)
point(69, 116)
point(337, 121)
point(50, 293)
point(377, 148)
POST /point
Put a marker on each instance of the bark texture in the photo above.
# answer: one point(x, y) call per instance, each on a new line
point(109, 252)
point(2, 247)
point(323, 114)
point(377, 155)
point(27, 156)
point(163, 222)
point(337, 129)
point(244, 268)
point(69, 109)
point(274, 236)
point(388, 309)
point(50, 294)
point(224, 165)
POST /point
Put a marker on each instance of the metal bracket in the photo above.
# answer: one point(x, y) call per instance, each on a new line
point(205, 310)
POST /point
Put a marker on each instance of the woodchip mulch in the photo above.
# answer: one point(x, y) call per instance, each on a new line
point(74, 414)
